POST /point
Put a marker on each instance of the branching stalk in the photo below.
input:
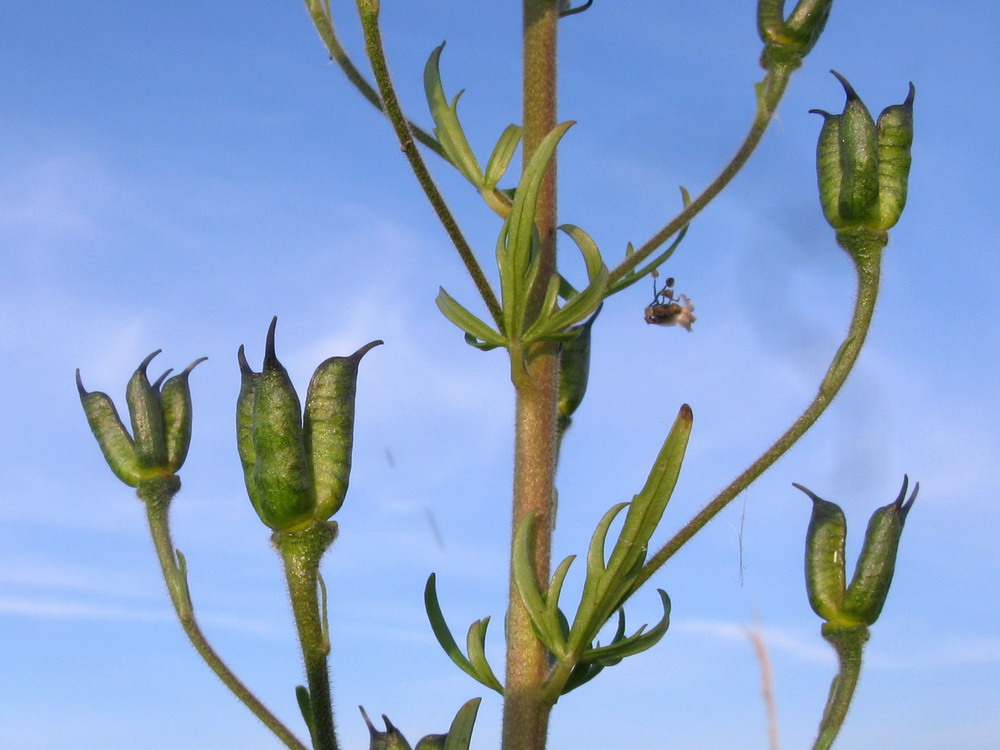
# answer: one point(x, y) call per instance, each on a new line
point(867, 265)
point(156, 495)
point(319, 11)
point(392, 108)
point(769, 93)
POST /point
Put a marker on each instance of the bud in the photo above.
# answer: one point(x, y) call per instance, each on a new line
point(863, 166)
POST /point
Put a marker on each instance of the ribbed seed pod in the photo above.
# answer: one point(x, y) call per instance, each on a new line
point(115, 442)
point(329, 429)
point(858, 159)
point(146, 412)
point(824, 560)
point(244, 427)
point(280, 472)
point(895, 137)
point(828, 169)
point(175, 396)
point(869, 586)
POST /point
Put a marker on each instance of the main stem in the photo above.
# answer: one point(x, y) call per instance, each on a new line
point(535, 374)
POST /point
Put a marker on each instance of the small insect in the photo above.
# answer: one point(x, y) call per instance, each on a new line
point(668, 310)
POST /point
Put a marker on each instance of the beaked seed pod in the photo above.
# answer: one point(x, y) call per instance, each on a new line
point(862, 166)
point(825, 540)
point(329, 429)
point(390, 739)
point(244, 428)
point(895, 137)
point(869, 586)
point(175, 396)
point(115, 442)
point(280, 471)
point(146, 411)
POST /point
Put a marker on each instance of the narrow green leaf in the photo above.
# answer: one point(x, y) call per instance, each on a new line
point(441, 631)
point(448, 127)
point(638, 642)
point(647, 508)
point(502, 154)
point(480, 345)
point(305, 708)
point(588, 248)
point(548, 630)
point(460, 732)
point(465, 320)
point(522, 215)
point(476, 645)
point(591, 614)
point(576, 310)
point(555, 590)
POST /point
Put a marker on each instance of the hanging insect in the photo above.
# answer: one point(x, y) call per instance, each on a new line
point(668, 310)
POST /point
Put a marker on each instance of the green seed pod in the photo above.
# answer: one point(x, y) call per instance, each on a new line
point(895, 137)
point(115, 442)
point(432, 742)
point(858, 200)
point(574, 371)
point(802, 29)
point(147, 418)
point(825, 540)
point(244, 428)
point(807, 21)
point(280, 469)
point(869, 587)
point(175, 396)
point(390, 739)
point(329, 429)
point(828, 170)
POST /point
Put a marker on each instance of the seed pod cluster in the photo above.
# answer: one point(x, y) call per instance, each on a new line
point(296, 469)
point(862, 166)
point(160, 416)
point(861, 602)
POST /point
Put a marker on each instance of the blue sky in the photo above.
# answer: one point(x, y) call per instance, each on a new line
point(172, 175)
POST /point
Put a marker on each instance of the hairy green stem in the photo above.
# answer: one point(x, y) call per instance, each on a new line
point(849, 643)
point(319, 11)
point(867, 263)
point(769, 93)
point(301, 554)
point(536, 378)
point(156, 495)
point(376, 54)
